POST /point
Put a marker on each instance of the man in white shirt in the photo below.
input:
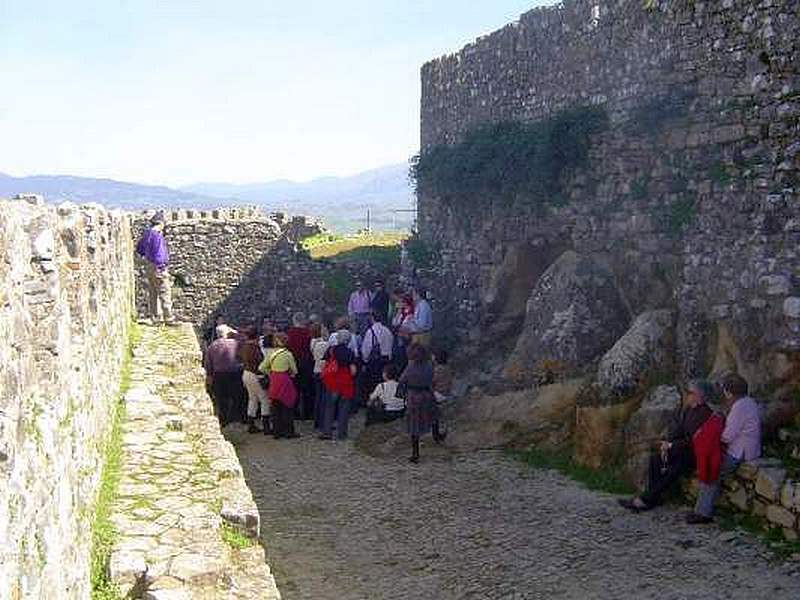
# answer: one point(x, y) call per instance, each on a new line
point(376, 352)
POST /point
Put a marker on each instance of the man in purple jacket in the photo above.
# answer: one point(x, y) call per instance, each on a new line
point(153, 248)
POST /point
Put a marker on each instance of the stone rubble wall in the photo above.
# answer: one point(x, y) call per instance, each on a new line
point(689, 201)
point(730, 163)
point(695, 209)
point(244, 265)
point(761, 488)
point(182, 488)
point(66, 299)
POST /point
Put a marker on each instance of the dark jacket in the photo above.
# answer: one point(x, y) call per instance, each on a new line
point(687, 421)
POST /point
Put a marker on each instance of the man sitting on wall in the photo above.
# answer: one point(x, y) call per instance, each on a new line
point(675, 457)
point(153, 248)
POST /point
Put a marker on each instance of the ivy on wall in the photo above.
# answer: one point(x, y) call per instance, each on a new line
point(514, 161)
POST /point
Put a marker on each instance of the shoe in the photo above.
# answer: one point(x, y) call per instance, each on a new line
point(628, 504)
point(413, 459)
point(695, 519)
point(252, 428)
point(293, 435)
point(323, 436)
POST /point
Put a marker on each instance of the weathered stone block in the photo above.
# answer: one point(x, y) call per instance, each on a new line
point(780, 516)
point(126, 569)
point(769, 483)
point(740, 499)
point(759, 507)
point(642, 353)
point(787, 496)
point(791, 307)
point(749, 470)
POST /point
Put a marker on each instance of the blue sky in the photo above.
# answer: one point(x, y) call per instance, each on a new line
point(175, 92)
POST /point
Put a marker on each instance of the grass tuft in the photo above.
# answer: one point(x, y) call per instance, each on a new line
point(605, 479)
point(104, 534)
point(234, 538)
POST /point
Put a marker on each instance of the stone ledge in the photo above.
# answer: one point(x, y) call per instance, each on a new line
point(761, 488)
point(181, 481)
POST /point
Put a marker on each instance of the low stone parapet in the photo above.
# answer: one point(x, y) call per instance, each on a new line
point(186, 521)
point(761, 488)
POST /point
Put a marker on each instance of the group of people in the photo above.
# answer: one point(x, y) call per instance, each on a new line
point(704, 441)
point(377, 357)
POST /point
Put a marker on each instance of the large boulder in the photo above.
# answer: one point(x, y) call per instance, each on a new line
point(599, 429)
point(544, 416)
point(650, 423)
point(574, 314)
point(644, 354)
point(507, 294)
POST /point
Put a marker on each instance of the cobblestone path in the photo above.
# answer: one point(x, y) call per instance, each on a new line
point(340, 524)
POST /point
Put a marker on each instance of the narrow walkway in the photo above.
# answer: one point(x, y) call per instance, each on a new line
point(343, 525)
point(180, 482)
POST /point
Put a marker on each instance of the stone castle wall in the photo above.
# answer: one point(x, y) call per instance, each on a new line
point(690, 197)
point(244, 265)
point(66, 285)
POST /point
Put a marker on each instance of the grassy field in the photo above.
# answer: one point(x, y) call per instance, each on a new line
point(359, 246)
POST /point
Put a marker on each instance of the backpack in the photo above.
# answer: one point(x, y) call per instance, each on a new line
point(375, 354)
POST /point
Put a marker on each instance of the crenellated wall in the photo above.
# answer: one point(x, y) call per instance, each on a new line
point(244, 265)
point(66, 299)
point(690, 197)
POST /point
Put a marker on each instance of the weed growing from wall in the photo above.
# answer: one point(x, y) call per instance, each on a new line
point(103, 532)
point(513, 161)
point(681, 213)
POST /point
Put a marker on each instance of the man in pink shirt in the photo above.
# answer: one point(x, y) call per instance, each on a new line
point(741, 440)
point(359, 307)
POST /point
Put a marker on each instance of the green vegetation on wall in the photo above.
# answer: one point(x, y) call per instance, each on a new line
point(513, 161)
point(103, 532)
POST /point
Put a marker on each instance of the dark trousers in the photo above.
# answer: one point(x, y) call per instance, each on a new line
point(378, 414)
point(282, 419)
point(305, 390)
point(229, 396)
point(661, 477)
point(319, 401)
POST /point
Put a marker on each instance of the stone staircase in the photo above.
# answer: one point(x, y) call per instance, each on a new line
point(186, 521)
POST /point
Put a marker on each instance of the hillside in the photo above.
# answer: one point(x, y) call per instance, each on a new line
point(342, 202)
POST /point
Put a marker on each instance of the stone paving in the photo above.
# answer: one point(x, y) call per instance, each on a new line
point(343, 524)
point(181, 487)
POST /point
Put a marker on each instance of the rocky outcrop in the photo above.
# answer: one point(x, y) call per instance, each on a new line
point(543, 416)
point(574, 314)
point(639, 357)
point(646, 426)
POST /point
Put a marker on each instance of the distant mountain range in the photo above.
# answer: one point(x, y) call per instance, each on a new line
point(342, 202)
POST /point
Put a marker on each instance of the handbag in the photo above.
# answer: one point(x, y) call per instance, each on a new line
point(401, 391)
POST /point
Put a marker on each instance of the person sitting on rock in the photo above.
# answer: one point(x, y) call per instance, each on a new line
point(674, 457)
point(741, 439)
